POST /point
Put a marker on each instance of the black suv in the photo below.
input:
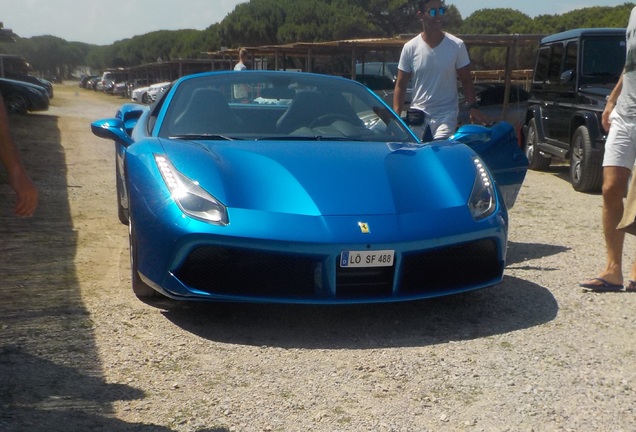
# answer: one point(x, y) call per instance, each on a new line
point(574, 73)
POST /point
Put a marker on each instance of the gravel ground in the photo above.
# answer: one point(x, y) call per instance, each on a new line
point(79, 352)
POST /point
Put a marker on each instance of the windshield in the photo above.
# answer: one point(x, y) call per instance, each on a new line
point(263, 105)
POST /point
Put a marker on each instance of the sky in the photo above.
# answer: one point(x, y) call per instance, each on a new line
point(104, 22)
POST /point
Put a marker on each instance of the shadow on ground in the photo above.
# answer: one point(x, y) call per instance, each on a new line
point(512, 305)
point(561, 170)
point(519, 253)
point(50, 373)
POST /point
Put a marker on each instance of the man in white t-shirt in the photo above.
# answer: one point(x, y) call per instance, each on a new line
point(242, 64)
point(434, 61)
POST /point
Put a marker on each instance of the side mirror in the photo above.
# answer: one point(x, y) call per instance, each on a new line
point(567, 76)
point(130, 114)
point(113, 129)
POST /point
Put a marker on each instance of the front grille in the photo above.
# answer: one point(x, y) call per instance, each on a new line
point(363, 282)
point(238, 272)
point(455, 267)
point(249, 273)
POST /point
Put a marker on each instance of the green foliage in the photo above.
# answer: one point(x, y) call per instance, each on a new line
point(387, 18)
point(254, 23)
point(318, 21)
point(497, 21)
point(273, 22)
point(49, 55)
point(592, 17)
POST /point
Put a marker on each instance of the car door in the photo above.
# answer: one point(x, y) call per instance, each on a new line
point(552, 121)
point(565, 99)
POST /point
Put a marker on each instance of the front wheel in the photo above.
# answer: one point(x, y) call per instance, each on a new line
point(142, 290)
point(586, 174)
point(536, 161)
point(16, 103)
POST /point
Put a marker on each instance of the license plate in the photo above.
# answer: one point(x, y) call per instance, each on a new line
point(380, 258)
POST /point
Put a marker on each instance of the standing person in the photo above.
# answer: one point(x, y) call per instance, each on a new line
point(619, 118)
point(18, 179)
point(242, 64)
point(434, 60)
point(241, 91)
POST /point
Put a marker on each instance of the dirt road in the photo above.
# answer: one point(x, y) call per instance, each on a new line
point(79, 352)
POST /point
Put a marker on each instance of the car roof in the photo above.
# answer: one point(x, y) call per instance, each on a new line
point(575, 33)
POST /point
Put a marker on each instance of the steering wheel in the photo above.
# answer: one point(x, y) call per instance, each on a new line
point(328, 119)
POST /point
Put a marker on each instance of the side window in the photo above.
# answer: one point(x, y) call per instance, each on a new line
point(541, 68)
point(570, 56)
point(556, 60)
point(568, 76)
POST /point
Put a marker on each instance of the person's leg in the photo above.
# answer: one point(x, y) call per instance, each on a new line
point(618, 162)
point(631, 285)
point(615, 180)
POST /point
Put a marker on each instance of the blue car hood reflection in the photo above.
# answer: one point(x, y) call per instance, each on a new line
point(330, 179)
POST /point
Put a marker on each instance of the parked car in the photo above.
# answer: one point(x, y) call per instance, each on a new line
point(380, 77)
point(83, 82)
point(328, 199)
point(388, 70)
point(139, 92)
point(108, 87)
point(120, 89)
point(108, 81)
point(33, 80)
point(156, 89)
point(21, 97)
point(135, 84)
point(91, 84)
point(491, 96)
point(575, 71)
point(140, 95)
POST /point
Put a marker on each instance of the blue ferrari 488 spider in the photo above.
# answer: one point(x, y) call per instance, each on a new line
point(266, 186)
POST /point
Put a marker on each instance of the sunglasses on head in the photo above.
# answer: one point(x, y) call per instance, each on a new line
point(434, 11)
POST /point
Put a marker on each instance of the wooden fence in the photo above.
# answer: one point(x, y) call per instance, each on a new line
point(521, 77)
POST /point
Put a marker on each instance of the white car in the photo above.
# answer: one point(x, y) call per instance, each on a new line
point(140, 95)
point(156, 89)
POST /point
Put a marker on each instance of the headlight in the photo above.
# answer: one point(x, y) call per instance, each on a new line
point(189, 196)
point(482, 201)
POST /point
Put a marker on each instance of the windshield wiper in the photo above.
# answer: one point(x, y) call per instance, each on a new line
point(307, 138)
point(211, 137)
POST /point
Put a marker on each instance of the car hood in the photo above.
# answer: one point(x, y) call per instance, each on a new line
point(12, 82)
point(328, 178)
point(597, 90)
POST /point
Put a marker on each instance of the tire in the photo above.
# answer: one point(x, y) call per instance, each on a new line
point(142, 290)
point(16, 103)
point(586, 174)
point(144, 98)
point(536, 161)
